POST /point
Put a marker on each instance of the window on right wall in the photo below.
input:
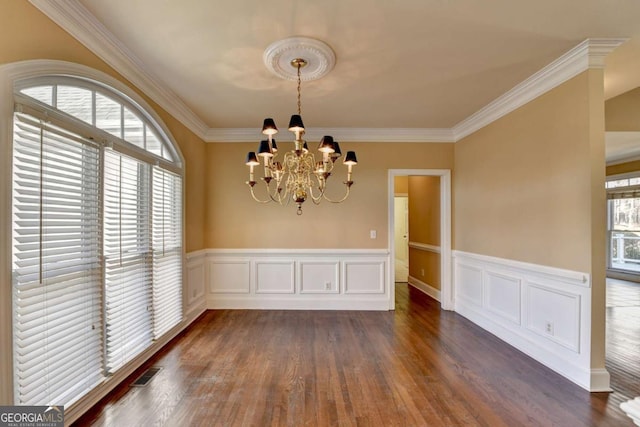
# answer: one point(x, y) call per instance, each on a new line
point(623, 194)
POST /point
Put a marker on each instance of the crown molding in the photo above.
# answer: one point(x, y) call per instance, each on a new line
point(588, 54)
point(340, 134)
point(78, 21)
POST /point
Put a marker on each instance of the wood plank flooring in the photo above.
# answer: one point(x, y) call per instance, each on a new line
point(623, 336)
point(416, 366)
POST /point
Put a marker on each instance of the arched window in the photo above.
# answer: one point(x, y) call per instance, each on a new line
point(97, 235)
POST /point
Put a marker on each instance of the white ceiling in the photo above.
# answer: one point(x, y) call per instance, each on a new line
point(400, 64)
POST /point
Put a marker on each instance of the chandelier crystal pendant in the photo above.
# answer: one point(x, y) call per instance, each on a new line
point(298, 176)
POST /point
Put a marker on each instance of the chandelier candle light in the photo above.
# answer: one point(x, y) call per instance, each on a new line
point(298, 176)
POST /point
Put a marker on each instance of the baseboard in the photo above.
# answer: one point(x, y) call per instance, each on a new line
point(284, 303)
point(424, 287)
point(600, 381)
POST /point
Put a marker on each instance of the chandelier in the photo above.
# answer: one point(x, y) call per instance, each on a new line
point(297, 176)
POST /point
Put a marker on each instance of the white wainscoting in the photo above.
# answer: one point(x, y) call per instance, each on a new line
point(308, 279)
point(543, 311)
point(194, 289)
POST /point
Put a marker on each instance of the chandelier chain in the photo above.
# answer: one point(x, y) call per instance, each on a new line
point(299, 104)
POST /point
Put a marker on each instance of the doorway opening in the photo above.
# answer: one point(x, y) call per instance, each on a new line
point(443, 249)
point(401, 236)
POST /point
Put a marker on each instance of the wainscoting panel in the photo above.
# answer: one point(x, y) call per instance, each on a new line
point(543, 311)
point(469, 287)
point(275, 277)
point(319, 277)
point(554, 315)
point(502, 296)
point(300, 279)
point(229, 277)
point(364, 277)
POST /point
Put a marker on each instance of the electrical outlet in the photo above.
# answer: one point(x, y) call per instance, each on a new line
point(373, 234)
point(422, 272)
point(548, 327)
point(327, 286)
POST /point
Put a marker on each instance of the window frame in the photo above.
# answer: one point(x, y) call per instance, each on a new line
point(32, 106)
point(11, 75)
point(611, 191)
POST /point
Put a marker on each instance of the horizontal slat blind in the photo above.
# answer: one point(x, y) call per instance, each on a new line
point(56, 268)
point(97, 240)
point(167, 251)
point(629, 192)
point(128, 258)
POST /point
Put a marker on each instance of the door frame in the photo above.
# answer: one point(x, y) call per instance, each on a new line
point(446, 284)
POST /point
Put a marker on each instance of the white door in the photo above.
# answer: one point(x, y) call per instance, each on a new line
point(401, 238)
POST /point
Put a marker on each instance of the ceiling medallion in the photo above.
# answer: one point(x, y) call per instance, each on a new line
point(279, 55)
point(297, 176)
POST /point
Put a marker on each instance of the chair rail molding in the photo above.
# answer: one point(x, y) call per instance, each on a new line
point(424, 247)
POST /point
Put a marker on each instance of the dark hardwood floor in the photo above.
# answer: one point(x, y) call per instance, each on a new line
point(417, 366)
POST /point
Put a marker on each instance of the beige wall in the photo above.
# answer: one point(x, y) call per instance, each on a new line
point(234, 220)
point(526, 199)
point(424, 227)
point(530, 187)
point(424, 209)
point(25, 34)
point(401, 185)
point(598, 216)
point(621, 112)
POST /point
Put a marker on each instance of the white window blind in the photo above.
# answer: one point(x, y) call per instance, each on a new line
point(167, 250)
point(97, 237)
point(56, 268)
point(128, 258)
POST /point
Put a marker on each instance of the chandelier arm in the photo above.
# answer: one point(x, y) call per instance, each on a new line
point(316, 199)
point(279, 199)
point(346, 194)
point(283, 198)
point(258, 200)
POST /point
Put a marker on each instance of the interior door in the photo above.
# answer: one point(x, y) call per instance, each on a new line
point(401, 238)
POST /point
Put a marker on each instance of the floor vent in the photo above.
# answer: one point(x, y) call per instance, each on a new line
point(144, 379)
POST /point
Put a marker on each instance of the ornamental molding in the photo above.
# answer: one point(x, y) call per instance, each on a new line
point(588, 54)
point(78, 21)
point(82, 25)
point(319, 56)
